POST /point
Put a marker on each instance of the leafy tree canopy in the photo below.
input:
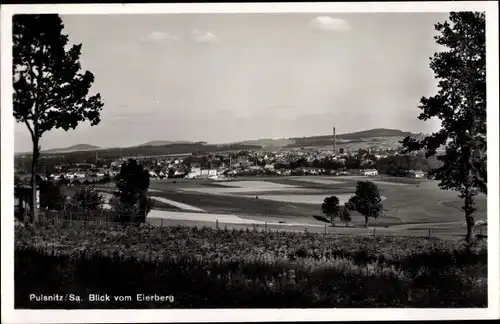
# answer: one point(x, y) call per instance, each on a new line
point(132, 184)
point(460, 105)
point(330, 207)
point(87, 199)
point(366, 201)
point(50, 91)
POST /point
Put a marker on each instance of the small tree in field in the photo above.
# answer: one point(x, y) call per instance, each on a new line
point(367, 201)
point(132, 184)
point(345, 216)
point(331, 208)
point(460, 104)
point(49, 90)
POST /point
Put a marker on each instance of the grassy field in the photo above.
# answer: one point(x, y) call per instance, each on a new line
point(424, 202)
point(208, 268)
point(412, 205)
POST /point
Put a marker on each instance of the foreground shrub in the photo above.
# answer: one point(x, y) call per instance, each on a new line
point(86, 200)
point(205, 268)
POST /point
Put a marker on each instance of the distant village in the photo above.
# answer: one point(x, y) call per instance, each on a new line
point(217, 166)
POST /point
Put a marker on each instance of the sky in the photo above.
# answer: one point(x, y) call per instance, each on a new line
point(223, 78)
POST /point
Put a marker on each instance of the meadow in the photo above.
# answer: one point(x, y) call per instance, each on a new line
point(207, 268)
point(411, 204)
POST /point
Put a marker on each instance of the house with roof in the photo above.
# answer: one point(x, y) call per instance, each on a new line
point(416, 174)
point(369, 172)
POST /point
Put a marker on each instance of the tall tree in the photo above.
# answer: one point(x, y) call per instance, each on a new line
point(132, 184)
point(366, 201)
point(460, 104)
point(49, 89)
point(331, 208)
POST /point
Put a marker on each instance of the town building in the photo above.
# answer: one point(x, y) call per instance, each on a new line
point(369, 172)
point(416, 173)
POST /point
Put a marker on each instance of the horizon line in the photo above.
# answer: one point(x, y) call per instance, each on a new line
point(205, 142)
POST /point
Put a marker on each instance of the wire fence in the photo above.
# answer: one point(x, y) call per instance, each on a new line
point(66, 218)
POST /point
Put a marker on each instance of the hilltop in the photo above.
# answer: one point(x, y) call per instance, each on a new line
point(388, 138)
point(74, 148)
point(268, 142)
point(376, 134)
point(380, 137)
point(161, 143)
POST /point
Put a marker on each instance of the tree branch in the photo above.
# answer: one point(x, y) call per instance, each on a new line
point(31, 131)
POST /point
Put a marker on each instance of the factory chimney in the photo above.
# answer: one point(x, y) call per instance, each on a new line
point(334, 143)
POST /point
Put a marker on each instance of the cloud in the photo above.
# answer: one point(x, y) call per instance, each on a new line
point(330, 24)
point(157, 36)
point(204, 37)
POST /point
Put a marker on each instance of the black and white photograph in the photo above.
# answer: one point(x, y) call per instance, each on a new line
point(321, 161)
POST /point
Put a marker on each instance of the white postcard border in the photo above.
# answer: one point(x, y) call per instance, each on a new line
point(9, 315)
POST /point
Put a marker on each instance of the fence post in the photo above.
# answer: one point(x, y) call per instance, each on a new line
point(429, 233)
point(265, 227)
point(374, 232)
point(217, 224)
point(325, 229)
point(161, 221)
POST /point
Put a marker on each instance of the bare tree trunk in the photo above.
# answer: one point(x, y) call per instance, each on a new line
point(34, 202)
point(469, 209)
point(470, 227)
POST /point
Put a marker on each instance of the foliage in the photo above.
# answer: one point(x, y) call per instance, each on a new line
point(124, 212)
point(87, 199)
point(63, 181)
point(205, 267)
point(132, 185)
point(460, 104)
point(399, 165)
point(51, 196)
point(17, 180)
point(345, 215)
point(129, 213)
point(105, 179)
point(49, 90)
point(366, 201)
point(330, 207)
